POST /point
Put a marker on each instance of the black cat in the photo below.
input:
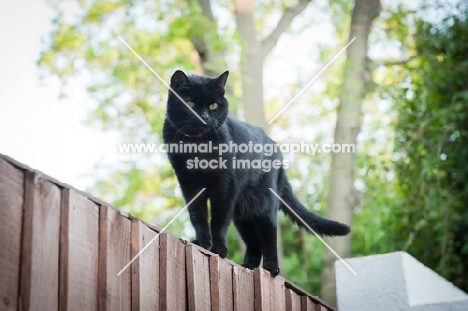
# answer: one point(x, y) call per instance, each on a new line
point(236, 188)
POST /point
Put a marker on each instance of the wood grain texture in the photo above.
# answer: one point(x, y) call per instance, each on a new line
point(293, 300)
point(172, 278)
point(243, 289)
point(269, 291)
point(114, 254)
point(198, 279)
point(79, 244)
point(145, 269)
point(40, 244)
point(11, 206)
point(221, 272)
point(277, 289)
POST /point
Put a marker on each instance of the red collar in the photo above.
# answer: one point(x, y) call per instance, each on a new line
point(191, 136)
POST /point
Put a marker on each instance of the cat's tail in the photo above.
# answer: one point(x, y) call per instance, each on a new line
point(320, 225)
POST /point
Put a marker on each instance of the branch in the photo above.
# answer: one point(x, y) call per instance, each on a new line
point(386, 63)
point(199, 42)
point(285, 21)
point(208, 57)
point(206, 9)
point(243, 10)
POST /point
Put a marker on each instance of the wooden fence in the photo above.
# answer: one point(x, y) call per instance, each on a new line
point(61, 249)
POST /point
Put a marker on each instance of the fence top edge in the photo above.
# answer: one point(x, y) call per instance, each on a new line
point(302, 292)
point(60, 184)
point(211, 254)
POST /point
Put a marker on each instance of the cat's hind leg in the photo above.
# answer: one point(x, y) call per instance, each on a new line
point(249, 234)
point(267, 231)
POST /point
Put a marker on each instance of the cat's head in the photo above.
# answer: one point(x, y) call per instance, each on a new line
point(204, 95)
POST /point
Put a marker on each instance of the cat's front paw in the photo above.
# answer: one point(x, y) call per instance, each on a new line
point(219, 249)
point(205, 244)
point(272, 267)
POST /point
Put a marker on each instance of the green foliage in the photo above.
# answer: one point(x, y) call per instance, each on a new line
point(432, 143)
point(419, 195)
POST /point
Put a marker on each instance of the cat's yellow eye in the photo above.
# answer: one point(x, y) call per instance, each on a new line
point(213, 106)
point(191, 104)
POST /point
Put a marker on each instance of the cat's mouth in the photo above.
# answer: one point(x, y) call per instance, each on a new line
point(196, 131)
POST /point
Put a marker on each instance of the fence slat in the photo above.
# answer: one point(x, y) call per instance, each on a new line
point(243, 286)
point(269, 291)
point(313, 299)
point(309, 305)
point(172, 282)
point(114, 254)
point(11, 205)
point(293, 300)
point(40, 244)
point(145, 269)
point(78, 252)
point(198, 279)
point(306, 304)
point(221, 284)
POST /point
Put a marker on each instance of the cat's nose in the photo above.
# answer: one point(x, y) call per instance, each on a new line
point(205, 116)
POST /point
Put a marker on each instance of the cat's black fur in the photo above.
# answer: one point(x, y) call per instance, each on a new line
point(241, 195)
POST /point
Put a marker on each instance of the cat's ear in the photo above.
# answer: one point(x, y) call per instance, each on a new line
point(221, 80)
point(179, 79)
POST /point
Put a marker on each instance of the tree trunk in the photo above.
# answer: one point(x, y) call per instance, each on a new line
point(341, 191)
point(251, 64)
point(213, 62)
point(255, 53)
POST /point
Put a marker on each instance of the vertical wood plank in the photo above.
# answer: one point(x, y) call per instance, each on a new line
point(307, 304)
point(41, 239)
point(79, 244)
point(145, 269)
point(261, 289)
point(311, 300)
point(11, 207)
point(198, 279)
point(243, 286)
point(269, 291)
point(310, 304)
point(114, 254)
point(277, 288)
point(172, 282)
point(221, 284)
point(293, 300)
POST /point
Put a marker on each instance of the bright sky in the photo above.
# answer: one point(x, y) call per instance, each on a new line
point(37, 128)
